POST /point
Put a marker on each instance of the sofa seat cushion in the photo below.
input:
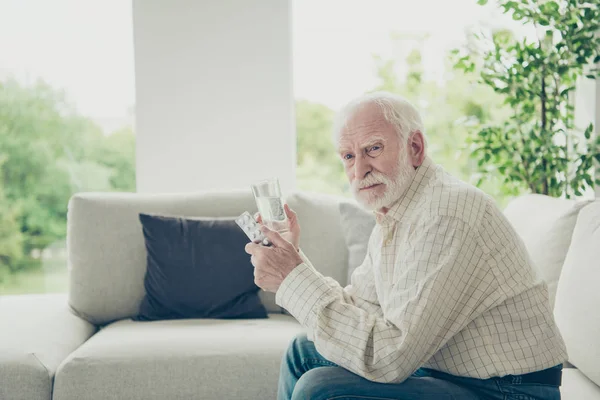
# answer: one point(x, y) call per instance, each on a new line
point(179, 359)
point(576, 386)
point(37, 332)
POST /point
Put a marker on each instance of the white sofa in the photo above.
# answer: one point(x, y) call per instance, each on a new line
point(85, 346)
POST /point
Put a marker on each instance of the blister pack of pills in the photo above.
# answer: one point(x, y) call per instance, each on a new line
point(251, 228)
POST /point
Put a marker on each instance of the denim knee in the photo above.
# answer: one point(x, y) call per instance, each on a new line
point(313, 385)
point(299, 341)
point(296, 346)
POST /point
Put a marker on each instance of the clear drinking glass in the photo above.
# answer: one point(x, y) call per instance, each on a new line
point(269, 201)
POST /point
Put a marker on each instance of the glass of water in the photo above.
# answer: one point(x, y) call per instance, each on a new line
point(269, 201)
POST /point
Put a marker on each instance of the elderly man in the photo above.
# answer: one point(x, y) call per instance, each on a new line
point(446, 304)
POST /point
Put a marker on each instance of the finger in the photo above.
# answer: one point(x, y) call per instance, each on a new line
point(250, 248)
point(274, 237)
point(258, 260)
point(258, 218)
point(289, 213)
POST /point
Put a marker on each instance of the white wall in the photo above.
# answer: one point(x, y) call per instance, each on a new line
point(214, 101)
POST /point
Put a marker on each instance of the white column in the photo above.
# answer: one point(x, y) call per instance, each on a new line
point(214, 101)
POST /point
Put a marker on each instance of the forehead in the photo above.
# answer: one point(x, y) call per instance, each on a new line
point(366, 125)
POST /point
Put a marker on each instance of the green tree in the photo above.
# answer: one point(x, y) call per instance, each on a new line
point(32, 132)
point(11, 238)
point(319, 168)
point(48, 152)
point(117, 153)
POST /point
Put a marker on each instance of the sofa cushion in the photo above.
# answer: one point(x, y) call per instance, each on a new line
point(545, 224)
point(37, 333)
point(357, 225)
point(578, 295)
point(197, 268)
point(321, 238)
point(576, 386)
point(179, 359)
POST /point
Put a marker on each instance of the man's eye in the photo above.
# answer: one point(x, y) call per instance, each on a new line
point(347, 156)
point(374, 150)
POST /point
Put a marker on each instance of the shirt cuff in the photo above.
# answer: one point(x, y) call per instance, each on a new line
point(300, 292)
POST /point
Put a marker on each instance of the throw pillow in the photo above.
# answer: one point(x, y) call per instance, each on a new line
point(197, 268)
point(546, 225)
point(578, 297)
point(357, 225)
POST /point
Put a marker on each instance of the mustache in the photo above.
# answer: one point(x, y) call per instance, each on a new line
point(373, 178)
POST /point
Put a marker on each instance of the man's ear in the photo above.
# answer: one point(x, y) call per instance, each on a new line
point(416, 148)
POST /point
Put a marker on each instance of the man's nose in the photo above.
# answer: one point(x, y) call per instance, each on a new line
point(361, 167)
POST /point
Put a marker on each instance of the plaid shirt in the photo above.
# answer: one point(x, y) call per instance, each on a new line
point(446, 284)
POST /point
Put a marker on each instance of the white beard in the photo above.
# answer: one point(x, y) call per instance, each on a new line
point(394, 187)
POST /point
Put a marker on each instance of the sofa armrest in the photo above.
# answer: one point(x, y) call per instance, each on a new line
point(37, 332)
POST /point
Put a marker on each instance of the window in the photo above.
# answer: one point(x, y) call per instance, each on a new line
point(66, 126)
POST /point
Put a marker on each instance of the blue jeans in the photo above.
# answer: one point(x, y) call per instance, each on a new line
point(305, 374)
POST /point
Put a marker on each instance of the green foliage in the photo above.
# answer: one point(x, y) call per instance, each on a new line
point(117, 154)
point(47, 153)
point(319, 168)
point(538, 149)
point(11, 238)
point(313, 126)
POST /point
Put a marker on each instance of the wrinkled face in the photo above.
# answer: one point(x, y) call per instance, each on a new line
point(377, 164)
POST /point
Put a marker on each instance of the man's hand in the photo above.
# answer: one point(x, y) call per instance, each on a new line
point(272, 264)
point(293, 233)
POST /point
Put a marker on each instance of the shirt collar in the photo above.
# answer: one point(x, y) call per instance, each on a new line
point(410, 197)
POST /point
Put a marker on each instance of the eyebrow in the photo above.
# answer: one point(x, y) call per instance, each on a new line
point(372, 141)
point(368, 143)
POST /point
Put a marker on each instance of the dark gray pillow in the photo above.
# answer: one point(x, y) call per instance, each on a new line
point(197, 268)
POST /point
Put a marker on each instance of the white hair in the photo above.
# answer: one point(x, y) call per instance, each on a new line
point(395, 109)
